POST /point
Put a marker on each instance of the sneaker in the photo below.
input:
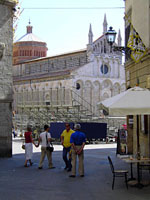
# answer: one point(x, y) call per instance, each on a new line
point(72, 176)
point(68, 170)
point(81, 175)
point(25, 165)
point(40, 167)
point(65, 168)
point(52, 167)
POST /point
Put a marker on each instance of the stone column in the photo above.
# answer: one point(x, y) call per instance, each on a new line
point(6, 41)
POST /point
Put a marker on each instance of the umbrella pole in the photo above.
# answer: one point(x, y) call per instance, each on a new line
point(139, 185)
point(138, 143)
point(149, 133)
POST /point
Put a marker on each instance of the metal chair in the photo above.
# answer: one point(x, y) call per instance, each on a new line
point(117, 173)
point(144, 166)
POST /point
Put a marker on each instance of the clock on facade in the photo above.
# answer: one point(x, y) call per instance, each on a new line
point(104, 69)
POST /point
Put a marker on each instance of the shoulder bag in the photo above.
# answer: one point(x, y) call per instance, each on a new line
point(49, 146)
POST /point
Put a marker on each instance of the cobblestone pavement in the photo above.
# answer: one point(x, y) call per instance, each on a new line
point(19, 183)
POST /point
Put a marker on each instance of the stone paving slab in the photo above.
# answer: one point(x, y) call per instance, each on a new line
point(19, 183)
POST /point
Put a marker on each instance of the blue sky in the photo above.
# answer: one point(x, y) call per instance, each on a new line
point(67, 30)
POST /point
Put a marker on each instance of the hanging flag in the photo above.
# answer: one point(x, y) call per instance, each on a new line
point(138, 49)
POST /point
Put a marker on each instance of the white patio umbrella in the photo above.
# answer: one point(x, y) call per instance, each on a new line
point(134, 101)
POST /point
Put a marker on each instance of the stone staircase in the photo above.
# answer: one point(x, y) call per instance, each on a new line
point(59, 109)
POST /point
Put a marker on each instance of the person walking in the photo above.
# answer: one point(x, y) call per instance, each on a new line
point(45, 139)
point(13, 132)
point(65, 141)
point(28, 146)
point(78, 142)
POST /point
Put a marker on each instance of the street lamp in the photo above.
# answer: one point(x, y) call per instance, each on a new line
point(111, 35)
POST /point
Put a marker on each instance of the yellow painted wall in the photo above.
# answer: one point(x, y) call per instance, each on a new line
point(139, 12)
point(138, 70)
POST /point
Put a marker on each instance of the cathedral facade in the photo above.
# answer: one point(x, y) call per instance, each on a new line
point(74, 81)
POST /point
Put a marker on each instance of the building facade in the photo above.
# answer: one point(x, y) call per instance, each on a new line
point(6, 41)
point(74, 81)
point(138, 73)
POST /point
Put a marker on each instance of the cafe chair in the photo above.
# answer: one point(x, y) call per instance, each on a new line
point(117, 173)
point(143, 166)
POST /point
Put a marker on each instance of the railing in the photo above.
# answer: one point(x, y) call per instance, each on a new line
point(58, 104)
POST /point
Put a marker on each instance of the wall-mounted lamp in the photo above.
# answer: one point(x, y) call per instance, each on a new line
point(111, 36)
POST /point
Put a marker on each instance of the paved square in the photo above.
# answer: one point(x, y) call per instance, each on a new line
point(20, 183)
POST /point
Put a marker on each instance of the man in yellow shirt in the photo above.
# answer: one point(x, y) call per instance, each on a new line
point(65, 141)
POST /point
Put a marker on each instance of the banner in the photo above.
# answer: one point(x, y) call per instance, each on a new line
point(138, 49)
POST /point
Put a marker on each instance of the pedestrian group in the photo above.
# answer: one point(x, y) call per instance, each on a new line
point(73, 142)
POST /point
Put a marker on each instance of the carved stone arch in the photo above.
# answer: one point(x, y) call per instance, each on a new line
point(123, 87)
point(60, 84)
point(46, 86)
point(96, 84)
point(116, 89)
point(27, 88)
point(56, 85)
point(107, 84)
point(20, 88)
point(47, 96)
point(105, 96)
point(51, 85)
point(96, 93)
point(79, 84)
point(88, 91)
point(88, 83)
point(79, 87)
point(38, 86)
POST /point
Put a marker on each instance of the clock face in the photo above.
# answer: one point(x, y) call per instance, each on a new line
point(104, 69)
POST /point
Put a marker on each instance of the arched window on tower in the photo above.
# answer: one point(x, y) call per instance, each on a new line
point(98, 47)
point(95, 47)
point(101, 47)
point(78, 86)
point(104, 46)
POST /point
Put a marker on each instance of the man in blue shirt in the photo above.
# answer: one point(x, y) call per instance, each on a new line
point(78, 142)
